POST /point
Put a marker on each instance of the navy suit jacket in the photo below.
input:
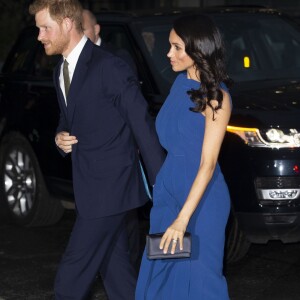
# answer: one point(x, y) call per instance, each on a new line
point(109, 116)
point(122, 53)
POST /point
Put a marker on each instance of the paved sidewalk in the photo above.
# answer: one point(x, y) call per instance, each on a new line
point(29, 258)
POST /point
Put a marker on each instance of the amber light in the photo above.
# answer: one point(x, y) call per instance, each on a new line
point(296, 169)
point(250, 136)
point(246, 62)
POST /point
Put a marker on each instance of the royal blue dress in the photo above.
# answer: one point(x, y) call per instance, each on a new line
point(181, 133)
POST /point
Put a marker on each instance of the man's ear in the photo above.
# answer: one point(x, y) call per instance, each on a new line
point(97, 29)
point(68, 24)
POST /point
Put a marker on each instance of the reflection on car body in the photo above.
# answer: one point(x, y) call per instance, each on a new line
point(260, 157)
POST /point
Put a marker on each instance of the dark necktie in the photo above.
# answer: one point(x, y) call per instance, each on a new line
point(66, 77)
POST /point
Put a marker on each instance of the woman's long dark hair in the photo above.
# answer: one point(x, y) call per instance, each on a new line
point(204, 44)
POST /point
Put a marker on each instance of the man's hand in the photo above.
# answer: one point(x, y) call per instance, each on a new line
point(64, 141)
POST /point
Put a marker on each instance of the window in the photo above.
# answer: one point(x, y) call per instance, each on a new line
point(20, 59)
point(45, 64)
point(271, 44)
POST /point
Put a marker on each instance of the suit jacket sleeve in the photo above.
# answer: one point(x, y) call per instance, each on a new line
point(134, 109)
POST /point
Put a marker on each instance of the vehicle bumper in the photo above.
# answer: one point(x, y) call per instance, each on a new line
point(262, 227)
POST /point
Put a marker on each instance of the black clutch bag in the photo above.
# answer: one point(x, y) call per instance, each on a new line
point(153, 251)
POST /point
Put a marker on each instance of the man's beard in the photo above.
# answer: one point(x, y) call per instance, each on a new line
point(57, 47)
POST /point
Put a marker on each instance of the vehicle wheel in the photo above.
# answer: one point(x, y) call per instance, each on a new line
point(237, 244)
point(23, 194)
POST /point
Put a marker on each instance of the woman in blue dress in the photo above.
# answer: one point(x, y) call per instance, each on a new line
point(190, 193)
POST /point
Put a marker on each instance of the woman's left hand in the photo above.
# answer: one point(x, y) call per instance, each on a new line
point(173, 235)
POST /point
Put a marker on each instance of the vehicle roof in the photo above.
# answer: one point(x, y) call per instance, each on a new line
point(135, 14)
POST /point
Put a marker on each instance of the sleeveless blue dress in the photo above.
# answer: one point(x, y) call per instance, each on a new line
point(200, 277)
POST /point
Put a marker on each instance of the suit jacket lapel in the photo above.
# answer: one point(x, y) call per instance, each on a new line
point(78, 79)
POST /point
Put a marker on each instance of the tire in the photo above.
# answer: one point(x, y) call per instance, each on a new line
point(23, 194)
point(237, 245)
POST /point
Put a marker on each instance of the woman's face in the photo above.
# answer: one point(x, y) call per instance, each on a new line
point(179, 59)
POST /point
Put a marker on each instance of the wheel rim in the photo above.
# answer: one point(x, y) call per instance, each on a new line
point(19, 182)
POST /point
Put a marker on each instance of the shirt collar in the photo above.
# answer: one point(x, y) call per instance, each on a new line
point(98, 43)
point(74, 54)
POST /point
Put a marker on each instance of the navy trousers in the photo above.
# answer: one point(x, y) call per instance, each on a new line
point(96, 246)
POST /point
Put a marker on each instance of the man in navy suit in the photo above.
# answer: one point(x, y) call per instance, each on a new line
point(91, 29)
point(103, 123)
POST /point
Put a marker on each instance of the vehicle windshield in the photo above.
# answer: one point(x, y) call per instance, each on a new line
point(258, 46)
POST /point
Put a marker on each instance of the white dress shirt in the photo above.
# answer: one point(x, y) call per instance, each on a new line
point(72, 61)
point(98, 42)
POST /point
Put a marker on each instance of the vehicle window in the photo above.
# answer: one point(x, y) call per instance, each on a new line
point(156, 40)
point(28, 57)
point(117, 37)
point(260, 47)
point(20, 59)
point(45, 64)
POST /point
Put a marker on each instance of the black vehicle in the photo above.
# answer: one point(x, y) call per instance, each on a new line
point(260, 157)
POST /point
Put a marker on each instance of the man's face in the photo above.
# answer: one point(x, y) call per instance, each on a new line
point(52, 35)
point(89, 28)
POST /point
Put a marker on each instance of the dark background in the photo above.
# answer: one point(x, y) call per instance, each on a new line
point(14, 14)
